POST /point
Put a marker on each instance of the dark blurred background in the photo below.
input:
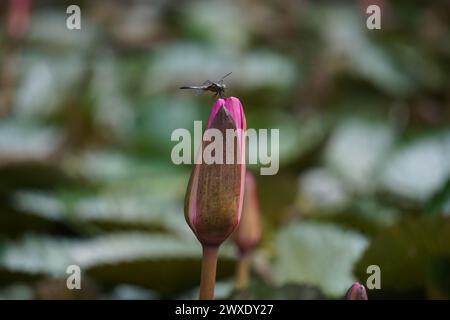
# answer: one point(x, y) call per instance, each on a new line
point(86, 117)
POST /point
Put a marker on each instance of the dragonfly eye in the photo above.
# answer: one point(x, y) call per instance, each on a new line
point(224, 86)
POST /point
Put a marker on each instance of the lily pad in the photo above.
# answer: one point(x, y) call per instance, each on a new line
point(318, 254)
point(150, 260)
point(407, 255)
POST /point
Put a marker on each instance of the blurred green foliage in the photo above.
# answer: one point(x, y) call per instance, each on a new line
point(364, 118)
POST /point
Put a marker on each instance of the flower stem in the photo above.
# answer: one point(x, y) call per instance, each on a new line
point(242, 272)
point(208, 276)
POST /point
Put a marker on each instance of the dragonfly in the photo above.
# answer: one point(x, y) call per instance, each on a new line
point(218, 87)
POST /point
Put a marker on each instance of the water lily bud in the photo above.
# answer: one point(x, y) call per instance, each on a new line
point(248, 233)
point(356, 292)
point(214, 196)
point(18, 18)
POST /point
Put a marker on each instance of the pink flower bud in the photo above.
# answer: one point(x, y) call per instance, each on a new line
point(18, 17)
point(248, 233)
point(214, 196)
point(356, 292)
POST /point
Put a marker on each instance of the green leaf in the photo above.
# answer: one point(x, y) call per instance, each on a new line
point(16, 291)
point(346, 35)
point(318, 254)
point(25, 141)
point(356, 150)
point(163, 263)
point(114, 211)
point(419, 169)
point(407, 255)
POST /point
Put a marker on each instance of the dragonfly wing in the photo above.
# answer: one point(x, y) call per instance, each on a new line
point(221, 79)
